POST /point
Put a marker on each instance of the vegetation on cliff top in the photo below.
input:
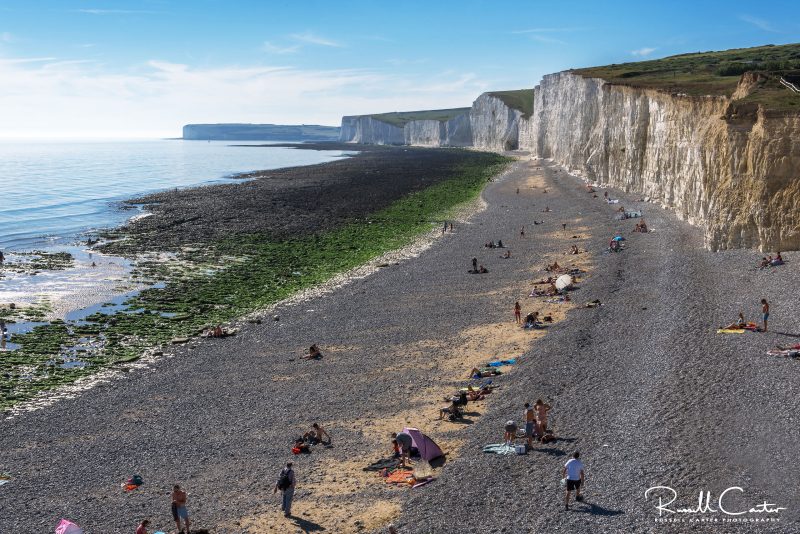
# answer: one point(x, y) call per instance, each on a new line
point(520, 99)
point(401, 118)
point(713, 73)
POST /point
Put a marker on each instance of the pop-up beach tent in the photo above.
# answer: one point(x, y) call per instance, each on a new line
point(428, 449)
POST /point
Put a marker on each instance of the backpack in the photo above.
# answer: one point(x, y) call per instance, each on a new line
point(284, 481)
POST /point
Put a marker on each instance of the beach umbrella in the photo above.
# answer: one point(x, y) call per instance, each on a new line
point(563, 282)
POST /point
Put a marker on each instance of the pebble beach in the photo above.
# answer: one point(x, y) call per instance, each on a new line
point(642, 385)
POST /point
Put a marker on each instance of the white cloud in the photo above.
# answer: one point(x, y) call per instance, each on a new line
point(761, 24)
point(276, 49)
point(312, 38)
point(47, 97)
point(643, 52)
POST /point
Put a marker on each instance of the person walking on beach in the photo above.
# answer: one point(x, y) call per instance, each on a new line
point(179, 511)
point(474, 265)
point(444, 229)
point(2, 258)
point(522, 232)
point(518, 312)
point(765, 312)
point(142, 528)
point(573, 473)
point(286, 483)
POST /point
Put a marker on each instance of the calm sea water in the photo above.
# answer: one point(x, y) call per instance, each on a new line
point(51, 192)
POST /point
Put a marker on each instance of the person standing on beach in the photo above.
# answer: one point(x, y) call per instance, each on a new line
point(444, 229)
point(530, 423)
point(179, 510)
point(286, 483)
point(2, 258)
point(573, 473)
point(765, 312)
point(518, 312)
point(522, 232)
point(474, 265)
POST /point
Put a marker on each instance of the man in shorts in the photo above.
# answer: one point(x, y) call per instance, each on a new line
point(179, 511)
point(573, 473)
point(530, 423)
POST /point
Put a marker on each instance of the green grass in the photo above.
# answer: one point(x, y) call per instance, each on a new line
point(520, 99)
point(401, 118)
point(262, 272)
point(712, 73)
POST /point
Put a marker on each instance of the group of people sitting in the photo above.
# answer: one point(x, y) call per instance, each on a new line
point(317, 435)
point(492, 244)
point(771, 262)
point(641, 226)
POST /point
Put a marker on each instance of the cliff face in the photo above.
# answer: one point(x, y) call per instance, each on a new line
point(366, 130)
point(495, 126)
point(720, 164)
point(454, 132)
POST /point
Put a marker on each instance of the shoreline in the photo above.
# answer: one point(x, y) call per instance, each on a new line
point(199, 266)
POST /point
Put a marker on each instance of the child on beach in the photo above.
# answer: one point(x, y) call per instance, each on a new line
point(518, 312)
point(765, 312)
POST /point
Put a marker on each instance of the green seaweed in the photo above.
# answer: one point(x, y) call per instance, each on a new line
point(224, 280)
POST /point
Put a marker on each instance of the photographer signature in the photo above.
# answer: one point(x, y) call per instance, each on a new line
point(666, 496)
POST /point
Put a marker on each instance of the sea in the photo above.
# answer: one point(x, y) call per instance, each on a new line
point(55, 194)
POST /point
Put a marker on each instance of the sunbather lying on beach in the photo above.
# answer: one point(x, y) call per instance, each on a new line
point(482, 270)
point(483, 372)
point(313, 353)
point(574, 250)
point(554, 267)
point(506, 254)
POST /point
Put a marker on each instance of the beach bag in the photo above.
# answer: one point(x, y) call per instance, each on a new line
point(521, 449)
point(68, 527)
point(284, 481)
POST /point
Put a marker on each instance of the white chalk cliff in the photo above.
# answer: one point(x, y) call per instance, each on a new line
point(729, 168)
point(495, 126)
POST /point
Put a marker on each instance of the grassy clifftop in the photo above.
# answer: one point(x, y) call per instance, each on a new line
point(713, 73)
point(400, 118)
point(521, 99)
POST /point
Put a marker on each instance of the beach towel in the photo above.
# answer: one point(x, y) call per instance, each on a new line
point(386, 463)
point(499, 448)
point(401, 476)
point(731, 331)
point(500, 363)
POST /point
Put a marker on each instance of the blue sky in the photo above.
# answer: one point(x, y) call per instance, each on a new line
point(144, 68)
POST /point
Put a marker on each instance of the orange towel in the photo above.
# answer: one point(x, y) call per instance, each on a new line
point(401, 476)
